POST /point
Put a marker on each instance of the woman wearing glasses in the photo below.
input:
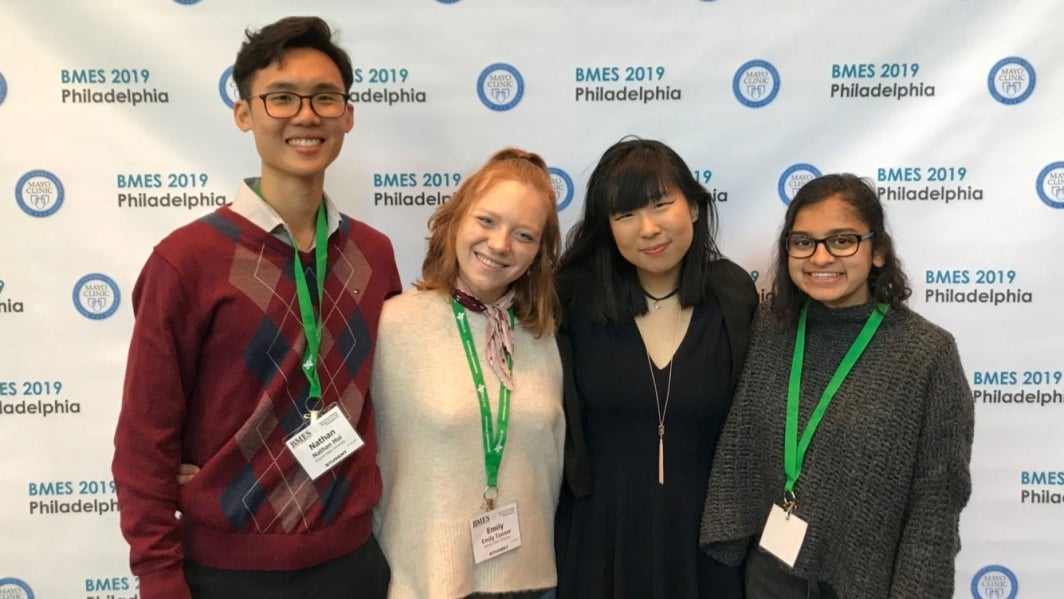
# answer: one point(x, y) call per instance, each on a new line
point(843, 467)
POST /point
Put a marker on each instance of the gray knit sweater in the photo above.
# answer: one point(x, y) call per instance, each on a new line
point(886, 475)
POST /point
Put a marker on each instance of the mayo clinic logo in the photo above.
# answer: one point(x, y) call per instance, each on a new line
point(1051, 185)
point(794, 178)
point(756, 83)
point(96, 296)
point(3, 88)
point(994, 582)
point(227, 88)
point(563, 187)
point(39, 193)
point(1011, 80)
point(13, 588)
point(500, 86)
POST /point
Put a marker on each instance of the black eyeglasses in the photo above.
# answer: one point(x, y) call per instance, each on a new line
point(285, 105)
point(839, 245)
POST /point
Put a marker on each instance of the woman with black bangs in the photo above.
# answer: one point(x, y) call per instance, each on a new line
point(654, 332)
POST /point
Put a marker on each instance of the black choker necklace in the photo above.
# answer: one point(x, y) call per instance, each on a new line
point(658, 300)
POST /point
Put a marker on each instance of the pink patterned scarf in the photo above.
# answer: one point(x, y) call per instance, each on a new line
point(500, 335)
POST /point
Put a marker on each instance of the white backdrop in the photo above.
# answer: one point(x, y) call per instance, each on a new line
point(109, 110)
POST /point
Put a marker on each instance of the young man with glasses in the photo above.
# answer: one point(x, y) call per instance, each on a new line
point(251, 356)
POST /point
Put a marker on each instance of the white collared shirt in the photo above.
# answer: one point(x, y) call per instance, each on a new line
point(251, 206)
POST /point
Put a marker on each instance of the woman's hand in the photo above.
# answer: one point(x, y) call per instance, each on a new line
point(186, 472)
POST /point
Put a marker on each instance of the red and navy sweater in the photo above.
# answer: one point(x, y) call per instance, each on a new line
point(214, 379)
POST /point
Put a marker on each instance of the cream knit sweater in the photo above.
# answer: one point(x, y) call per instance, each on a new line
point(432, 460)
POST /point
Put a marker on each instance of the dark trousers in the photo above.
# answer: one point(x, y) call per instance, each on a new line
point(363, 573)
point(766, 578)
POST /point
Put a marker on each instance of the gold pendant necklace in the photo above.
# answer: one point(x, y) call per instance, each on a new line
point(663, 409)
point(661, 414)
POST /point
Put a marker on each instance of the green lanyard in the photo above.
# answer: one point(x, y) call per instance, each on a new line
point(494, 437)
point(794, 451)
point(312, 323)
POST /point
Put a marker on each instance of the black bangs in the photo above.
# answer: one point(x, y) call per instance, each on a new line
point(593, 276)
point(637, 180)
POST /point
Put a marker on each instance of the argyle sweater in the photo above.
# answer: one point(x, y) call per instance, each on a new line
point(887, 472)
point(214, 379)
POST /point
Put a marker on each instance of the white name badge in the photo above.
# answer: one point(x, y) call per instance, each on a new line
point(495, 533)
point(324, 442)
point(783, 535)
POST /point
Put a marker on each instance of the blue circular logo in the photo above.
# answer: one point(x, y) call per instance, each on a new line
point(994, 582)
point(15, 589)
point(756, 83)
point(1011, 80)
point(794, 178)
point(39, 193)
point(500, 86)
point(227, 88)
point(187, 2)
point(3, 88)
point(1051, 185)
point(96, 296)
point(563, 187)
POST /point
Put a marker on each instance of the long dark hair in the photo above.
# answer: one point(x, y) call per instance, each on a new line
point(886, 284)
point(594, 277)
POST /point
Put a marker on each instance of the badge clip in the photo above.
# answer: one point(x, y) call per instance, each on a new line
point(490, 494)
point(789, 503)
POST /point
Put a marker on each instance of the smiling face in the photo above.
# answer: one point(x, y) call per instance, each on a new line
point(835, 282)
point(301, 146)
point(655, 238)
point(499, 237)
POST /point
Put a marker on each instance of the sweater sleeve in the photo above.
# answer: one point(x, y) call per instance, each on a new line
point(930, 539)
point(159, 374)
point(732, 514)
point(395, 284)
point(577, 462)
point(738, 299)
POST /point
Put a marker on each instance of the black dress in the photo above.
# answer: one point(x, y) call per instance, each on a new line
point(632, 537)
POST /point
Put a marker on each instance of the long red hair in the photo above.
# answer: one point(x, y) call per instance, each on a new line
point(536, 304)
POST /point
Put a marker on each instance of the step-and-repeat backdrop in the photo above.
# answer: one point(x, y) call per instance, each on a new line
point(116, 127)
